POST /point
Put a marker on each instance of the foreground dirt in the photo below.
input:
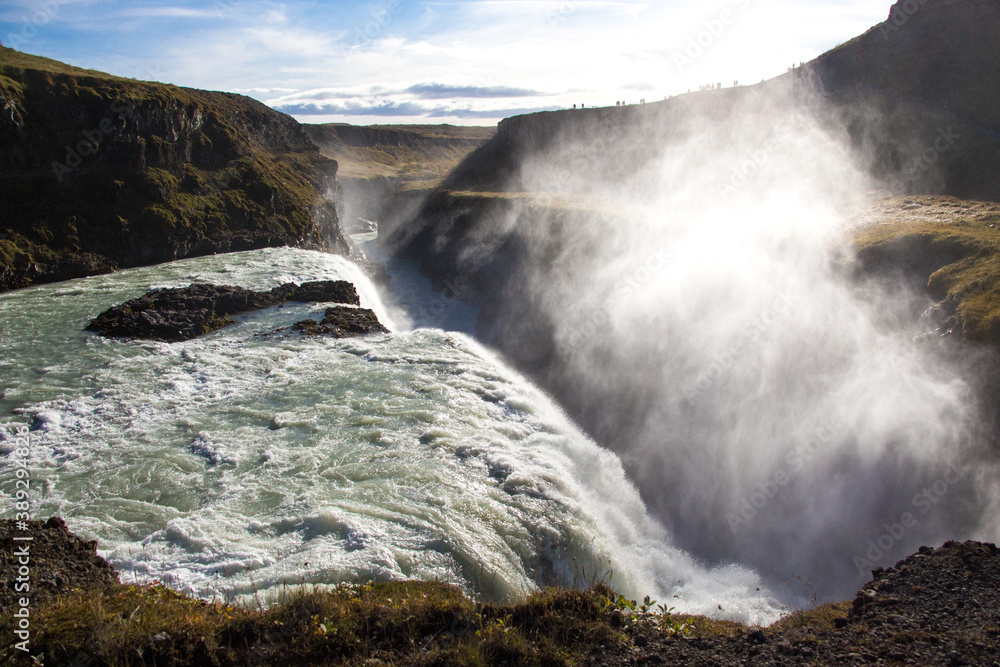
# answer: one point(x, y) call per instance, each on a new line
point(60, 563)
point(937, 607)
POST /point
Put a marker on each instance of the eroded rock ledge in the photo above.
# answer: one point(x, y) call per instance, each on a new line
point(178, 314)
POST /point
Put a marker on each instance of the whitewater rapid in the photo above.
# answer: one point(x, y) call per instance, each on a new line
point(252, 459)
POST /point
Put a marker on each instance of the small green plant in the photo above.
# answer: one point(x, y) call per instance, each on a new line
point(619, 603)
point(674, 627)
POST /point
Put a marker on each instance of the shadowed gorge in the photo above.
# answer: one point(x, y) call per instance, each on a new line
point(387, 171)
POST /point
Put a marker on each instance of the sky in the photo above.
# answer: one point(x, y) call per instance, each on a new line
point(470, 62)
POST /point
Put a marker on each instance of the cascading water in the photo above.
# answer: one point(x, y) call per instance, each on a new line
point(250, 459)
point(692, 302)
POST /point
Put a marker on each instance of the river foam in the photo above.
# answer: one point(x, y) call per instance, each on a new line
point(248, 460)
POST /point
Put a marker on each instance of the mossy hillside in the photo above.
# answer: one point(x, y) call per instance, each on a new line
point(408, 622)
point(395, 622)
point(100, 171)
point(956, 256)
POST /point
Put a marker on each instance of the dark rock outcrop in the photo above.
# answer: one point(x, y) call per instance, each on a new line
point(937, 607)
point(342, 322)
point(920, 96)
point(60, 563)
point(962, 577)
point(188, 312)
point(99, 172)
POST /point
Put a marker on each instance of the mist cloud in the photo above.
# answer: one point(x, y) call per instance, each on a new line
point(706, 323)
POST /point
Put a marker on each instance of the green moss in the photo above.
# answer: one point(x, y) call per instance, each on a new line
point(958, 259)
point(176, 170)
point(12, 254)
point(160, 219)
point(162, 182)
point(10, 89)
point(821, 619)
point(409, 622)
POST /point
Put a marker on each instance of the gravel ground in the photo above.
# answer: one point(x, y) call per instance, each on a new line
point(937, 607)
point(60, 562)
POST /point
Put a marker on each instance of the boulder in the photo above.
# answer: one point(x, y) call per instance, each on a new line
point(342, 322)
point(178, 314)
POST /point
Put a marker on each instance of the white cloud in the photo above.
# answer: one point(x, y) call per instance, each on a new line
point(169, 12)
point(314, 55)
point(293, 42)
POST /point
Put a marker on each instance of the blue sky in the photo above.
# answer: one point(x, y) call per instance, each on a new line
point(461, 62)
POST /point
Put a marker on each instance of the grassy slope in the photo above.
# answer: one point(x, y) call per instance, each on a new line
point(393, 623)
point(422, 162)
point(183, 173)
point(951, 246)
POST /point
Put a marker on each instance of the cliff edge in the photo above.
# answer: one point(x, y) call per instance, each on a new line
point(98, 172)
point(938, 606)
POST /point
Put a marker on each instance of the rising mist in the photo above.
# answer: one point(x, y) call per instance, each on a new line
point(682, 280)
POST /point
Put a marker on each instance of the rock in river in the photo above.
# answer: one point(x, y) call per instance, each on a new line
point(178, 314)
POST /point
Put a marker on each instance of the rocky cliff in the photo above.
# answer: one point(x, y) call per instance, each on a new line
point(98, 172)
point(920, 94)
